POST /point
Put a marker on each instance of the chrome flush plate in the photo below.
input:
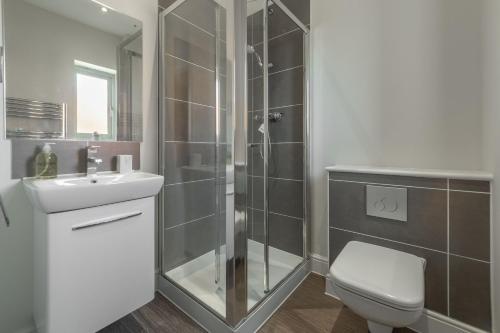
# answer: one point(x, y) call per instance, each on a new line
point(387, 202)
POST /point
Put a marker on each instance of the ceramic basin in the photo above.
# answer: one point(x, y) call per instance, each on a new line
point(70, 193)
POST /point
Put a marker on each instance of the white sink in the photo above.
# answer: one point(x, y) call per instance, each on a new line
point(69, 193)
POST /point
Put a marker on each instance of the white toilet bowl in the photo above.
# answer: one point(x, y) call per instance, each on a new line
point(384, 286)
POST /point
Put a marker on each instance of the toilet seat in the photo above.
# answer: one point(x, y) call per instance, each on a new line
point(389, 277)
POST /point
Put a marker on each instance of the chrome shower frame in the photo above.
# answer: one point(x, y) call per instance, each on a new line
point(238, 317)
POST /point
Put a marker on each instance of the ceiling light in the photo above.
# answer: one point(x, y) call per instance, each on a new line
point(104, 9)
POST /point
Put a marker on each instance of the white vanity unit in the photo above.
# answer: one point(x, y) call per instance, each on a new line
point(93, 263)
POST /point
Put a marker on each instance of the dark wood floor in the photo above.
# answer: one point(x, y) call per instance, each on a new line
point(307, 310)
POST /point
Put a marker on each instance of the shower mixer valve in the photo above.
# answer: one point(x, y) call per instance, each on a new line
point(272, 116)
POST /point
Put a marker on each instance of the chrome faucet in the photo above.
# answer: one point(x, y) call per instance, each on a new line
point(92, 161)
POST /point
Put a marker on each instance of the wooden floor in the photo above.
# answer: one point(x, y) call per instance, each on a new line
point(307, 310)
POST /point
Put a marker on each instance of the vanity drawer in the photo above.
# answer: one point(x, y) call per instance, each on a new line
point(97, 265)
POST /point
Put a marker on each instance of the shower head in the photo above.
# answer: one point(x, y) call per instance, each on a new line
point(251, 50)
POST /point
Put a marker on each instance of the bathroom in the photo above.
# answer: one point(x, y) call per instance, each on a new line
point(249, 166)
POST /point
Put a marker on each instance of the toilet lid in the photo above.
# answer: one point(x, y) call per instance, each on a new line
point(388, 276)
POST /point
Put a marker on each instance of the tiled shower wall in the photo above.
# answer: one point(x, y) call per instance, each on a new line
point(448, 225)
point(286, 158)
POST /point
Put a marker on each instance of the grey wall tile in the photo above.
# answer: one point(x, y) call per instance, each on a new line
point(71, 155)
point(199, 12)
point(179, 165)
point(391, 180)
point(279, 22)
point(189, 201)
point(187, 82)
point(163, 4)
point(284, 233)
point(187, 42)
point(470, 185)
point(285, 161)
point(470, 224)
point(285, 196)
point(301, 9)
point(187, 242)
point(435, 271)
point(289, 129)
point(285, 88)
point(109, 150)
point(285, 52)
point(470, 292)
point(427, 215)
point(189, 122)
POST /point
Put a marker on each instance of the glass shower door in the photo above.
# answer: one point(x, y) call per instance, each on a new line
point(196, 148)
point(277, 162)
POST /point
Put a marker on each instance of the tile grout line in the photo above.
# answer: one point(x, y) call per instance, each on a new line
point(469, 258)
point(189, 102)
point(189, 222)
point(190, 182)
point(275, 178)
point(192, 24)
point(274, 213)
point(383, 184)
point(389, 240)
point(448, 245)
point(279, 36)
point(277, 107)
point(189, 62)
point(279, 72)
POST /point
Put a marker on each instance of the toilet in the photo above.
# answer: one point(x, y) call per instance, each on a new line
point(384, 286)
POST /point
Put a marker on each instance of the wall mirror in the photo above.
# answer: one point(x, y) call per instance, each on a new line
point(73, 71)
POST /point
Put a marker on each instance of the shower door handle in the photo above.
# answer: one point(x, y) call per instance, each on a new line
point(4, 213)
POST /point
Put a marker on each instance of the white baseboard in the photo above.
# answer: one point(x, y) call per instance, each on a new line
point(430, 322)
point(319, 264)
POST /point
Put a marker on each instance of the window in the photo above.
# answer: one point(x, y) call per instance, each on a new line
point(95, 101)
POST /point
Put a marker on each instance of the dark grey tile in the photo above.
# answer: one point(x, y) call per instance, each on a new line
point(258, 27)
point(285, 161)
point(189, 122)
point(190, 83)
point(279, 22)
point(285, 88)
point(164, 4)
point(109, 150)
point(70, 156)
point(470, 185)
point(391, 180)
point(435, 270)
point(188, 161)
point(285, 233)
point(300, 8)
point(187, 242)
point(289, 129)
point(199, 12)
point(189, 201)
point(470, 292)
point(285, 196)
point(187, 42)
point(470, 224)
point(427, 215)
point(285, 52)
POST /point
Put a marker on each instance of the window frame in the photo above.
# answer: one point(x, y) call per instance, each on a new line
point(110, 77)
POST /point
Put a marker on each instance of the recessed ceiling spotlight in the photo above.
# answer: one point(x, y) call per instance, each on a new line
point(104, 9)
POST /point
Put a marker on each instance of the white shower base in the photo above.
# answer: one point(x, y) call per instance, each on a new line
point(198, 275)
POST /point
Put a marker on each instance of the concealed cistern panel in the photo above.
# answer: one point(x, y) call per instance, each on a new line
point(386, 202)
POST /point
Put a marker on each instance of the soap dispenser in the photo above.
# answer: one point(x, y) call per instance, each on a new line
point(46, 163)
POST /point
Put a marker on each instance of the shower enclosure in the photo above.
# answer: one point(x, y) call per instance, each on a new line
point(234, 153)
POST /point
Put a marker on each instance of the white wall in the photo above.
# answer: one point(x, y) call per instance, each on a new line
point(16, 242)
point(491, 154)
point(395, 83)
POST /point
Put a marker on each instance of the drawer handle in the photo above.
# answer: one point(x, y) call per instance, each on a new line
point(107, 220)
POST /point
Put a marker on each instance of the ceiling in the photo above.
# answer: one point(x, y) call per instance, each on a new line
point(89, 12)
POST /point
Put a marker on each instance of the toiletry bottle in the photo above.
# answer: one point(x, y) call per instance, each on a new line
point(46, 163)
